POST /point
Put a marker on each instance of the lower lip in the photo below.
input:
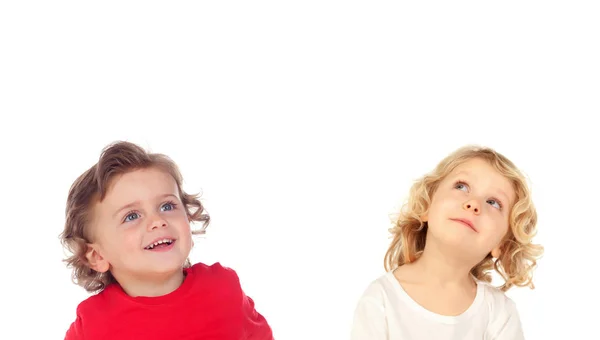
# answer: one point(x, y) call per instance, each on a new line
point(163, 248)
point(465, 224)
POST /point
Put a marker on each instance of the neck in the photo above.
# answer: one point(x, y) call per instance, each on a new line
point(442, 267)
point(146, 286)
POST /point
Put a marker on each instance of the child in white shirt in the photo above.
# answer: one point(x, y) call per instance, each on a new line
point(471, 215)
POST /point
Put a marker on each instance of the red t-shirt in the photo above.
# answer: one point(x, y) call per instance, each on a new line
point(209, 304)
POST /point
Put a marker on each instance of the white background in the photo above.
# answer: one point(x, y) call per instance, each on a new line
point(303, 125)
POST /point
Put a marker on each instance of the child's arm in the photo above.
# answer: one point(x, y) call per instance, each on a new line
point(257, 327)
point(369, 321)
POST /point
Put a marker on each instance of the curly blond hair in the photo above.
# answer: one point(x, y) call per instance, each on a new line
point(519, 255)
point(91, 187)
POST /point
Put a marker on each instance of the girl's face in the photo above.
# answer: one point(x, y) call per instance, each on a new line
point(470, 210)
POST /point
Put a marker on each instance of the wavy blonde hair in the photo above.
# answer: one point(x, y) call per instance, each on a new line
point(519, 255)
point(91, 187)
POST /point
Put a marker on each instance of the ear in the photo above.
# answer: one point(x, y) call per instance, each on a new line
point(497, 251)
point(96, 261)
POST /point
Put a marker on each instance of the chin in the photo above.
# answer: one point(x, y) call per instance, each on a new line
point(453, 238)
point(167, 265)
point(165, 270)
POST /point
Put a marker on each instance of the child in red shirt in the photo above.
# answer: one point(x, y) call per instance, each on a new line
point(128, 229)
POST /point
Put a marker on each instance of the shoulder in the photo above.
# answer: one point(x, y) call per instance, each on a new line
point(96, 303)
point(369, 319)
point(378, 286)
point(378, 291)
point(215, 268)
point(505, 322)
point(497, 300)
point(215, 271)
point(91, 312)
point(215, 277)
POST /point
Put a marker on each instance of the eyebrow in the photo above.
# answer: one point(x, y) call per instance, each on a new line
point(132, 204)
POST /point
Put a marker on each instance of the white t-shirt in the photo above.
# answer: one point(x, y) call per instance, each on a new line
point(387, 312)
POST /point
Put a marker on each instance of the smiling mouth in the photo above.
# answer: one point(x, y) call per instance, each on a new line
point(160, 244)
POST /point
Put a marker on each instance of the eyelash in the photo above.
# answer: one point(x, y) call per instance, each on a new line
point(500, 205)
point(173, 204)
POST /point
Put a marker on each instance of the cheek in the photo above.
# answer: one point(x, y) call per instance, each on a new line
point(177, 215)
point(502, 220)
point(441, 204)
point(113, 246)
point(130, 239)
point(180, 223)
point(499, 230)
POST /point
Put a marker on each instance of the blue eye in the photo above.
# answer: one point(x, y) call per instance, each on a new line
point(168, 206)
point(461, 186)
point(496, 204)
point(132, 216)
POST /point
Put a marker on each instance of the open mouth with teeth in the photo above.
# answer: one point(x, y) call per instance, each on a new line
point(163, 244)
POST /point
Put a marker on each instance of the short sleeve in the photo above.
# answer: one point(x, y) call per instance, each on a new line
point(369, 321)
point(508, 327)
point(75, 331)
point(255, 325)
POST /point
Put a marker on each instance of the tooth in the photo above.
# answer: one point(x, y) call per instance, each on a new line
point(165, 240)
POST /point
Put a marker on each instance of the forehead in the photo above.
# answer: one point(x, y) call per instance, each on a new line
point(132, 188)
point(486, 175)
point(139, 185)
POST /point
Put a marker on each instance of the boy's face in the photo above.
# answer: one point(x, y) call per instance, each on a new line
point(470, 210)
point(141, 208)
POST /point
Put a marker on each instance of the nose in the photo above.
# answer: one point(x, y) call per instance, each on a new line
point(473, 206)
point(157, 222)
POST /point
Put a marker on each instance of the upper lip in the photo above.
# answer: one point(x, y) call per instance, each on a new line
point(465, 221)
point(159, 239)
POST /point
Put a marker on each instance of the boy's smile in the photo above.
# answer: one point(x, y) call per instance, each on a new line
point(161, 244)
